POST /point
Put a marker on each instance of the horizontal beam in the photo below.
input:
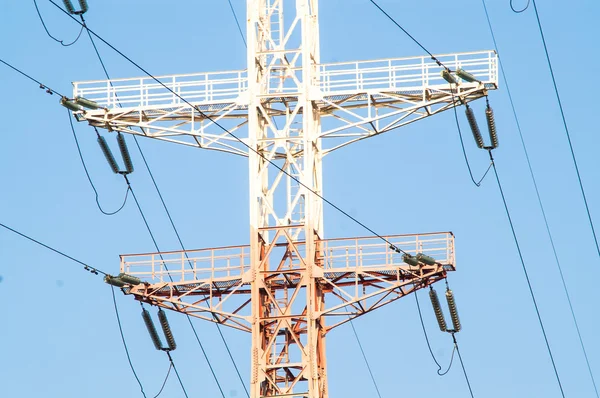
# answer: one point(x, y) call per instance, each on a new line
point(357, 274)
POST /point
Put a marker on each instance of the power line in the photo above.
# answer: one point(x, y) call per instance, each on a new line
point(42, 86)
point(564, 120)
point(188, 317)
point(537, 311)
point(176, 373)
point(164, 382)
point(216, 123)
point(85, 266)
point(537, 192)
point(48, 32)
point(237, 22)
point(124, 342)
point(437, 61)
point(477, 183)
point(95, 271)
point(513, 232)
point(172, 224)
point(88, 174)
point(462, 364)
point(365, 358)
point(512, 7)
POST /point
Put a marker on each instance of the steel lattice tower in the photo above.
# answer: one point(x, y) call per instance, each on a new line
point(295, 111)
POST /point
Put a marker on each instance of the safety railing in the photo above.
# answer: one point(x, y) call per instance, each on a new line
point(404, 74)
point(227, 263)
point(190, 265)
point(147, 92)
point(398, 74)
point(352, 253)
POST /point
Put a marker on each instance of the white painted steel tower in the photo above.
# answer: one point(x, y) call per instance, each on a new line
point(285, 112)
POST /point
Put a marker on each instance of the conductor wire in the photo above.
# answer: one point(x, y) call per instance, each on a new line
point(539, 199)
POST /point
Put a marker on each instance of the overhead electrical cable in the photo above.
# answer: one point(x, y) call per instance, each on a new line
point(515, 239)
point(164, 382)
point(188, 317)
point(462, 364)
point(124, 342)
point(48, 32)
point(52, 91)
point(512, 7)
point(362, 351)
point(216, 123)
point(85, 266)
point(170, 220)
point(433, 57)
point(566, 127)
point(94, 271)
point(539, 199)
point(42, 86)
point(564, 120)
point(537, 311)
point(177, 373)
point(237, 22)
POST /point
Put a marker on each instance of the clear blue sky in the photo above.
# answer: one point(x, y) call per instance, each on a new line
point(59, 333)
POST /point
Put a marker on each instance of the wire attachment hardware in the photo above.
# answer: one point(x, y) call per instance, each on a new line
point(449, 77)
point(466, 76)
point(87, 103)
point(70, 105)
point(114, 281)
point(410, 260)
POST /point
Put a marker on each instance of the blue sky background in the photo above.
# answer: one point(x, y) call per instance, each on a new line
point(59, 333)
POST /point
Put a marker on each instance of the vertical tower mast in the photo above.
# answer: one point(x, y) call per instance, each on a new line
point(286, 217)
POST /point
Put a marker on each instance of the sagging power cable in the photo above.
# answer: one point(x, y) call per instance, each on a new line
point(86, 267)
point(41, 85)
point(524, 267)
point(48, 32)
point(125, 342)
point(539, 199)
point(95, 271)
point(566, 127)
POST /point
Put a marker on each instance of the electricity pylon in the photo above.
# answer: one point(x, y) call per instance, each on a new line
point(295, 110)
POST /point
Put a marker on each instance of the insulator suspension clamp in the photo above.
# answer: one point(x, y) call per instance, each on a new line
point(110, 157)
point(164, 323)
